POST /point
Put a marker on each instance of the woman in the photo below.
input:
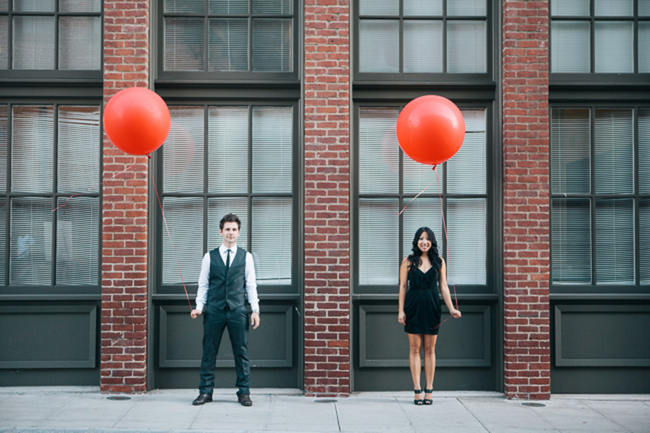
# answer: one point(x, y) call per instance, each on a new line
point(424, 273)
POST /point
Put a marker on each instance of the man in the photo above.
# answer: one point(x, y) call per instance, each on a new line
point(227, 278)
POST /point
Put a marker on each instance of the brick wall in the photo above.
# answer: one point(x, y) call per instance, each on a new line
point(124, 213)
point(327, 197)
point(526, 199)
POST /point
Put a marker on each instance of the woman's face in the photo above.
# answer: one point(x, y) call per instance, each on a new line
point(424, 243)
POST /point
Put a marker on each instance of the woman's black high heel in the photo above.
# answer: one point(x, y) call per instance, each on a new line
point(428, 401)
point(416, 401)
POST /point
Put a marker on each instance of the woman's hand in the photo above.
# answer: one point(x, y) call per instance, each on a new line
point(456, 314)
point(401, 318)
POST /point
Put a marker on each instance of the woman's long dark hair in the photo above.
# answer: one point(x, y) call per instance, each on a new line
point(434, 257)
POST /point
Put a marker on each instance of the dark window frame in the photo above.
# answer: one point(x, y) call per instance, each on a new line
point(593, 78)
point(56, 74)
point(52, 289)
point(241, 79)
point(636, 196)
point(443, 78)
point(162, 290)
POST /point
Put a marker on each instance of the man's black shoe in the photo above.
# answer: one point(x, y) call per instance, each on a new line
point(245, 399)
point(202, 398)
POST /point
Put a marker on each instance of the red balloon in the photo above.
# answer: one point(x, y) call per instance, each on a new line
point(430, 129)
point(137, 120)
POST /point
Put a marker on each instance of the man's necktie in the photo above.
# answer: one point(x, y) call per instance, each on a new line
point(228, 258)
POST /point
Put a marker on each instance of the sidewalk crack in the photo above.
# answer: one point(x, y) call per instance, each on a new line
point(474, 416)
point(338, 421)
point(606, 417)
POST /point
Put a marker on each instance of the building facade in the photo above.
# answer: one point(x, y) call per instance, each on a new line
point(284, 111)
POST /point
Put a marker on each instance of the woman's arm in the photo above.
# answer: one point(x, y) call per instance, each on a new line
point(444, 289)
point(403, 276)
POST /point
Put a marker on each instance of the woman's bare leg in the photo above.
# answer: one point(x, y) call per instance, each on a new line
point(415, 343)
point(429, 361)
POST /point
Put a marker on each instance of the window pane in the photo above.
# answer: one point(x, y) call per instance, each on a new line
point(4, 42)
point(33, 42)
point(276, 7)
point(417, 176)
point(183, 151)
point(422, 46)
point(569, 7)
point(228, 149)
point(379, 46)
point(614, 46)
point(272, 145)
point(377, 137)
point(570, 150)
point(644, 240)
point(466, 230)
point(466, 46)
point(3, 239)
point(644, 8)
point(77, 237)
point(271, 240)
point(32, 144)
point(228, 47)
point(4, 146)
point(614, 151)
point(644, 46)
point(80, 43)
point(4, 5)
point(422, 7)
point(80, 5)
point(217, 208)
point(78, 149)
point(644, 151)
point(466, 7)
point(228, 7)
point(570, 46)
point(272, 45)
point(185, 6)
point(34, 5)
point(422, 212)
point(184, 44)
point(379, 7)
point(185, 251)
point(466, 170)
point(31, 241)
point(614, 7)
point(378, 241)
point(570, 241)
point(614, 241)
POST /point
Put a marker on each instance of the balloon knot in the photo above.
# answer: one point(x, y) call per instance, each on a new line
point(434, 167)
point(149, 155)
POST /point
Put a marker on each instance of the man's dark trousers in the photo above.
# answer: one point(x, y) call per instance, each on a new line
point(214, 322)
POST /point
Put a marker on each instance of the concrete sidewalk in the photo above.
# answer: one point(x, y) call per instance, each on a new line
point(81, 409)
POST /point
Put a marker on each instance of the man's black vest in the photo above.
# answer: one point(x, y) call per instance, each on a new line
point(227, 287)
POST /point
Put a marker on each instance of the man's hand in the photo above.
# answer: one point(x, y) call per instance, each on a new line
point(195, 314)
point(255, 319)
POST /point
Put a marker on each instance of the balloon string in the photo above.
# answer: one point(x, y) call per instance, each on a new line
point(417, 195)
point(444, 226)
point(171, 241)
point(115, 176)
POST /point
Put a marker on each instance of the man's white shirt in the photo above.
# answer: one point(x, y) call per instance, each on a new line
point(249, 275)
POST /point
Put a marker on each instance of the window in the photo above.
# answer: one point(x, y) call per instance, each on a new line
point(220, 159)
point(600, 36)
point(415, 36)
point(600, 195)
point(228, 36)
point(388, 180)
point(50, 35)
point(49, 195)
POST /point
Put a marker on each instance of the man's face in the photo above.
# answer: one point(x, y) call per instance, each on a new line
point(230, 232)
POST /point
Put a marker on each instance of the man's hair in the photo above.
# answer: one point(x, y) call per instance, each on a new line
point(229, 218)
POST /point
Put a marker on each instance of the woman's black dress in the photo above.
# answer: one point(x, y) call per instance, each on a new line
point(422, 303)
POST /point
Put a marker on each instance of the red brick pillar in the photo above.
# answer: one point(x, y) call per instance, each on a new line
point(327, 197)
point(526, 215)
point(124, 213)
